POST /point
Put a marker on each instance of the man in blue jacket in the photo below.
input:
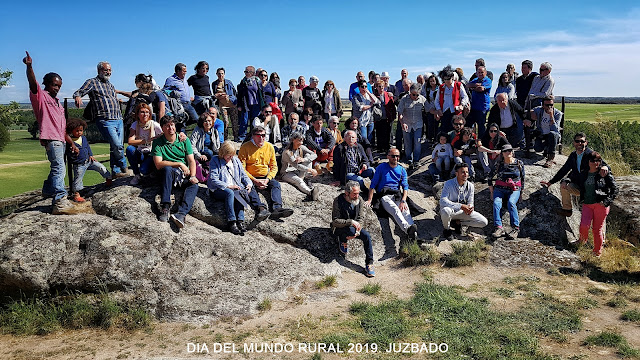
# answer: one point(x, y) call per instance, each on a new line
point(480, 88)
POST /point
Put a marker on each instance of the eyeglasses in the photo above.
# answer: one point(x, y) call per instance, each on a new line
point(458, 124)
point(580, 141)
point(595, 160)
point(268, 112)
point(541, 69)
point(264, 75)
point(414, 94)
point(247, 71)
point(548, 105)
point(261, 135)
point(363, 87)
point(493, 131)
point(394, 156)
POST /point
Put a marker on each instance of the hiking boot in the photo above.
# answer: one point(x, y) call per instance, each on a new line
point(135, 181)
point(241, 226)
point(262, 214)
point(281, 213)
point(314, 193)
point(178, 219)
point(563, 212)
point(513, 233)
point(108, 182)
point(344, 248)
point(412, 232)
point(63, 206)
point(499, 232)
point(457, 227)
point(233, 228)
point(164, 213)
point(369, 272)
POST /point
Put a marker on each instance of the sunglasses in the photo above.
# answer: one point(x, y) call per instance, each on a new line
point(493, 131)
point(458, 124)
point(595, 160)
point(579, 141)
point(541, 69)
point(507, 151)
point(268, 112)
point(414, 94)
point(394, 156)
point(261, 135)
point(548, 105)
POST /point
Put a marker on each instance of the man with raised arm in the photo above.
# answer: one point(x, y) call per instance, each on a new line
point(53, 135)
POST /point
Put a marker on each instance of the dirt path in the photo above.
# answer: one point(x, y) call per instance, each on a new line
point(4, 166)
point(310, 309)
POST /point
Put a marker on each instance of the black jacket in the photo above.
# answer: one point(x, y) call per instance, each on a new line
point(571, 167)
point(340, 161)
point(606, 188)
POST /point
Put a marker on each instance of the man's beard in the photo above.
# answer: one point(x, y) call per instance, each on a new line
point(104, 77)
point(355, 202)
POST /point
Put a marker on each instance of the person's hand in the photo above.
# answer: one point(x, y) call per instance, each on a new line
point(563, 185)
point(546, 183)
point(193, 180)
point(203, 158)
point(604, 171)
point(182, 136)
point(233, 187)
point(324, 151)
point(75, 149)
point(27, 59)
point(403, 206)
point(405, 127)
point(299, 159)
point(479, 88)
point(527, 123)
point(367, 203)
point(356, 225)
point(363, 168)
point(467, 209)
point(313, 172)
point(459, 108)
point(249, 186)
point(185, 169)
point(92, 158)
point(78, 101)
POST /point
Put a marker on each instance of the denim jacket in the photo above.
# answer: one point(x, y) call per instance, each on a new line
point(219, 174)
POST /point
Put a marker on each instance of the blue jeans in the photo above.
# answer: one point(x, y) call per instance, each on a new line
point(275, 192)
point(80, 169)
point(54, 184)
point(140, 163)
point(233, 208)
point(245, 117)
point(208, 153)
point(412, 145)
point(512, 207)
point(477, 117)
point(193, 115)
point(367, 132)
point(202, 103)
point(547, 142)
point(343, 233)
point(113, 132)
point(174, 175)
point(360, 177)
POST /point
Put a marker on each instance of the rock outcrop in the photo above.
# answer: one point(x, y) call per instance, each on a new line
point(203, 271)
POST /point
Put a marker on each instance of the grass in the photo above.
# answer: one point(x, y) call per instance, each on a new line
point(504, 292)
point(586, 303)
point(467, 253)
point(17, 180)
point(370, 289)
point(613, 340)
point(589, 112)
point(631, 315)
point(265, 305)
point(617, 256)
point(40, 316)
point(327, 281)
point(414, 255)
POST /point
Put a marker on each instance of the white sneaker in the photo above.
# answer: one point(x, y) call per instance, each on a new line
point(63, 207)
point(135, 180)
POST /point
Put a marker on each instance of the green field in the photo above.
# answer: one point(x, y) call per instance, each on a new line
point(589, 112)
point(18, 179)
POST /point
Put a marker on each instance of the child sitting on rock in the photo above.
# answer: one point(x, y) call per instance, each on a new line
point(442, 155)
point(83, 160)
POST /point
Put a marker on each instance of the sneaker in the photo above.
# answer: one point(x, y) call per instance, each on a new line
point(164, 214)
point(499, 232)
point(108, 182)
point(262, 214)
point(563, 212)
point(120, 175)
point(513, 234)
point(412, 232)
point(78, 198)
point(281, 213)
point(241, 226)
point(178, 219)
point(447, 234)
point(135, 181)
point(314, 193)
point(233, 228)
point(369, 272)
point(457, 227)
point(436, 178)
point(344, 248)
point(63, 207)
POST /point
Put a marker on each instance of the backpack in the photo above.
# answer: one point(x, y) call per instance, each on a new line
point(129, 112)
point(173, 107)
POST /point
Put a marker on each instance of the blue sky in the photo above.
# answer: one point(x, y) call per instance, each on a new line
point(594, 46)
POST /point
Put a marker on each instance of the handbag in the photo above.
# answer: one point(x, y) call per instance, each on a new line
point(376, 112)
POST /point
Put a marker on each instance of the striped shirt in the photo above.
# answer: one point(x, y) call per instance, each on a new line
point(104, 98)
point(411, 111)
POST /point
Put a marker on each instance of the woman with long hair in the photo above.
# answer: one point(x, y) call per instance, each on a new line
point(332, 103)
point(141, 134)
point(506, 180)
point(505, 86)
point(297, 162)
point(596, 194)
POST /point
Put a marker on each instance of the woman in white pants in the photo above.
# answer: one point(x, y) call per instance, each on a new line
point(297, 162)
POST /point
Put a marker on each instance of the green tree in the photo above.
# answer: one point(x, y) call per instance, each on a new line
point(5, 76)
point(7, 112)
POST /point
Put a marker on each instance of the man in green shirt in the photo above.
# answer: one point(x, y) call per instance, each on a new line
point(174, 159)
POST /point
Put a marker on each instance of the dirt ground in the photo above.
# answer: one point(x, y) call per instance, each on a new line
point(168, 340)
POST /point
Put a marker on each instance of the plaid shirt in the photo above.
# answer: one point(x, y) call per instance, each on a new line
point(411, 111)
point(104, 98)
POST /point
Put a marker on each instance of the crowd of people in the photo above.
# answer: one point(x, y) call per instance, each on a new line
point(282, 136)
